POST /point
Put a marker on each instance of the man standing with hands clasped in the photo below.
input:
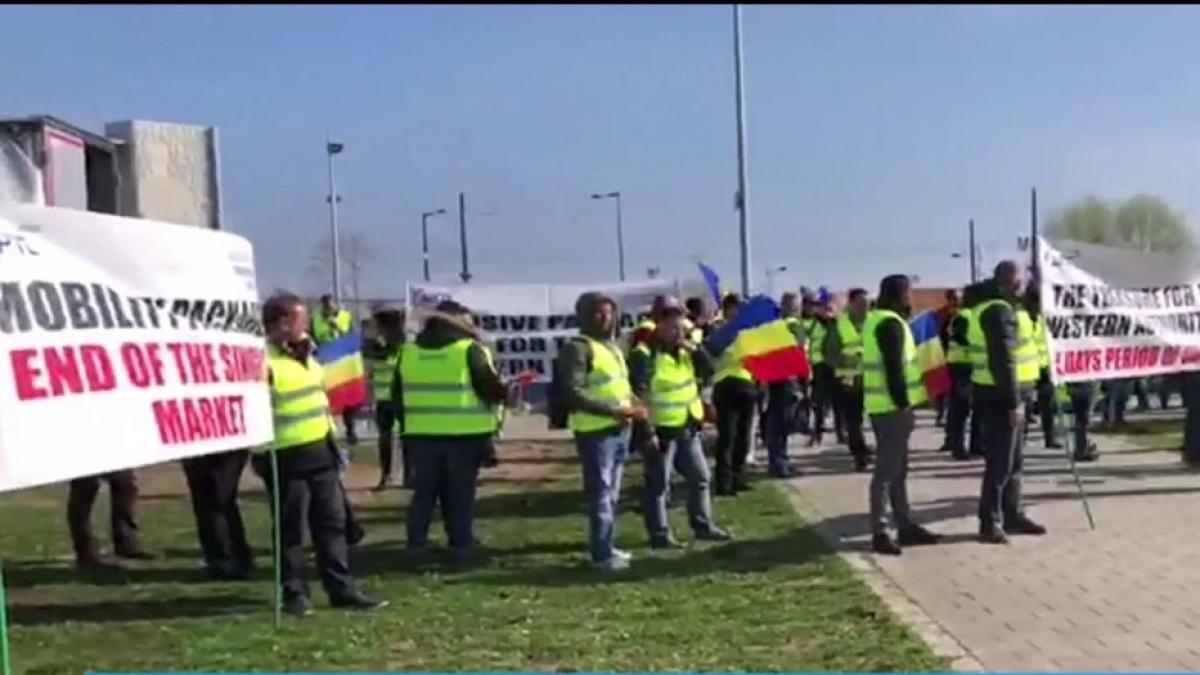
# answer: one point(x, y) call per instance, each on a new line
point(892, 387)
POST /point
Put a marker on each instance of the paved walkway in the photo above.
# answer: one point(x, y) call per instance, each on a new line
point(1123, 597)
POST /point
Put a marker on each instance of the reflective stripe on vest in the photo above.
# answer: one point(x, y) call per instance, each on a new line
point(439, 399)
point(607, 380)
point(298, 402)
point(1024, 355)
point(957, 354)
point(816, 341)
point(850, 365)
point(876, 399)
point(674, 392)
point(383, 373)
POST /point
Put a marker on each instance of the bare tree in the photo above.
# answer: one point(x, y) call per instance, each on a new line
point(358, 256)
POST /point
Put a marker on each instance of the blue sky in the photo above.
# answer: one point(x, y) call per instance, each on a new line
point(874, 132)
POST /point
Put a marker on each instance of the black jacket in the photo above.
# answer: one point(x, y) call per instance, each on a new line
point(441, 330)
point(999, 324)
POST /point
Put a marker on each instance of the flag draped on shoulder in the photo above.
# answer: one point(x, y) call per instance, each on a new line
point(931, 358)
point(345, 373)
point(762, 341)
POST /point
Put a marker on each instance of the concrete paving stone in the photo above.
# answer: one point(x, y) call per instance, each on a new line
point(1124, 596)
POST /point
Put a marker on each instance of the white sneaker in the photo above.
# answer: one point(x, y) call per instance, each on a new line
point(623, 555)
point(613, 564)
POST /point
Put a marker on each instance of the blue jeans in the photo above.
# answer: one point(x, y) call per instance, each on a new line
point(685, 453)
point(446, 471)
point(602, 456)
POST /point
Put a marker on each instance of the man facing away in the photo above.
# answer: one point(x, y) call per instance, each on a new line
point(1004, 370)
point(892, 388)
point(843, 350)
point(668, 371)
point(600, 402)
point(328, 324)
point(383, 359)
point(448, 391)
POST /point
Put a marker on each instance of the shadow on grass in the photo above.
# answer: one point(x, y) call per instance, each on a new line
point(110, 611)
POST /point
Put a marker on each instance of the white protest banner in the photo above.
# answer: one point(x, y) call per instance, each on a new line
point(123, 342)
point(525, 323)
point(1113, 313)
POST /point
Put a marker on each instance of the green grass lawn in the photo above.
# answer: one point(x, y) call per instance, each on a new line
point(774, 599)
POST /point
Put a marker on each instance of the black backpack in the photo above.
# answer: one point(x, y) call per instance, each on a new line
point(556, 402)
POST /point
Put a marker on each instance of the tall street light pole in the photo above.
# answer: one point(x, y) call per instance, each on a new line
point(425, 239)
point(743, 201)
point(620, 232)
point(974, 255)
point(465, 275)
point(332, 149)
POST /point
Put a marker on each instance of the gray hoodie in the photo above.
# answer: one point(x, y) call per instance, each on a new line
point(575, 358)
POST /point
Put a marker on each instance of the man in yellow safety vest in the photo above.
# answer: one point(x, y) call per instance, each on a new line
point(447, 390)
point(735, 394)
point(958, 402)
point(1047, 403)
point(310, 487)
point(329, 323)
point(668, 372)
point(892, 389)
point(383, 361)
point(843, 350)
point(600, 402)
point(1004, 371)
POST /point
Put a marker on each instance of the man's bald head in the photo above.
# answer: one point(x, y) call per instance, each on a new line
point(1008, 277)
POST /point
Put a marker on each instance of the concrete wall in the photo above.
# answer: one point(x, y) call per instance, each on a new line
point(169, 172)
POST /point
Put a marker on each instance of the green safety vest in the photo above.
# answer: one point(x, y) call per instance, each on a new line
point(876, 399)
point(815, 332)
point(1025, 355)
point(326, 330)
point(298, 403)
point(607, 380)
point(852, 349)
point(674, 391)
point(730, 366)
point(439, 399)
point(383, 373)
point(957, 354)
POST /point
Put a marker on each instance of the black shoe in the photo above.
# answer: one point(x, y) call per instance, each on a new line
point(962, 456)
point(665, 543)
point(1023, 525)
point(467, 556)
point(1054, 445)
point(725, 491)
point(355, 537)
point(714, 534)
point(297, 606)
point(136, 554)
point(741, 485)
point(384, 483)
point(917, 536)
point(357, 600)
point(860, 464)
point(884, 545)
point(1090, 455)
point(228, 574)
point(97, 565)
point(992, 535)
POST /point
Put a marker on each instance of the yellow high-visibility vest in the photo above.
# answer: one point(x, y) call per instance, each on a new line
point(674, 391)
point(299, 405)
point(850, 365)
point(957, 354)
point(815, 332)
point(607, 380)
point(328, 330)
point(1041, 339)
point(439, 399)
point(1025, 355)
point(383, 373)
point(876, 399)
point(729, 366)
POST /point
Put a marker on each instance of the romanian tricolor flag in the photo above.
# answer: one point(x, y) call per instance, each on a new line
point(762, 341)
point(931, 358)
point(345, 373)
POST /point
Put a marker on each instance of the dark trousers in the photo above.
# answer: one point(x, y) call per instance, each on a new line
point(781, 409)
point(312, 492)
point(348, 418)
point(447, 469)
point(213, 484)
point(825, 398)
point(1082, 401)
point(958, 408)
point(850, 401)
point(122, 487)
point(1003, 446)
point(734, 400)
point(387, 418)
point(1047, 407)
